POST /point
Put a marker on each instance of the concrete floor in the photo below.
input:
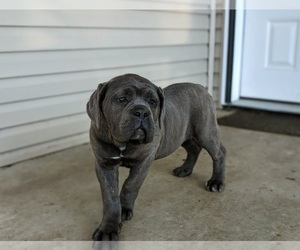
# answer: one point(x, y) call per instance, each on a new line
point(57, 197)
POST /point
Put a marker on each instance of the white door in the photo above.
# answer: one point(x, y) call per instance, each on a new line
point(270, 59)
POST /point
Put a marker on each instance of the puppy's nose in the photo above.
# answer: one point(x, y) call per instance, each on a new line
point(141, 112)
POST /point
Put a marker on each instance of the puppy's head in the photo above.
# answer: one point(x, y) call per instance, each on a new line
point(130, 106)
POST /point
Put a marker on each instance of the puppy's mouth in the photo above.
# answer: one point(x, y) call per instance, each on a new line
point(138, 136)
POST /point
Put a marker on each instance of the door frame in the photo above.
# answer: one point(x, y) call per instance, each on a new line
point(232, 64)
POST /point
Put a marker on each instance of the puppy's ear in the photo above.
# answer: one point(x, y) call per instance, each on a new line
point(161, 95)
point(93, 107)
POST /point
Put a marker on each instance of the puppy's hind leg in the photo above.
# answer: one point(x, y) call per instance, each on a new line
point(218, 153)
point(193, 150)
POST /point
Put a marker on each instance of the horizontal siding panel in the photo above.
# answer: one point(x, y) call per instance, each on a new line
point(39, 63)
point(198, 78)
point(104, 19)
point(17, 114)
point(164, 71)
point(21, 89)
point(188, 5)
point(45, 39)
point(27, 135)
point(41, 149)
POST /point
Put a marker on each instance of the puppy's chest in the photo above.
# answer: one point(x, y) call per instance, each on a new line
point(124, 162)
point(125, 158)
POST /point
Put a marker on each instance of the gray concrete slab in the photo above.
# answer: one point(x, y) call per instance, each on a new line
point(56, 197)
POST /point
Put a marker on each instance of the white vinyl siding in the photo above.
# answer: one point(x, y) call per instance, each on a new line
point(51, 62)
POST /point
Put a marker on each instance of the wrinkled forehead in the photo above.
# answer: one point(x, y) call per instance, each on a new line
point(129, 84)
point(130, 79)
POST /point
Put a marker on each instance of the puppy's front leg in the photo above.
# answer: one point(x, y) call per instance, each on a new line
point(111, 221)
point(131, 187)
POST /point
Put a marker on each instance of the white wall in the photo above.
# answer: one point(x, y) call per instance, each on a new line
point(51, 61)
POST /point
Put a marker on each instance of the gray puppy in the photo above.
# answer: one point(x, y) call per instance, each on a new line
point(133, 123)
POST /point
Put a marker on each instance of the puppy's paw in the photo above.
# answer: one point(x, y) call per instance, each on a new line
point(182, 171)
point(215, 185)
point(99, 235)
point(104, 235)
point(127, 214)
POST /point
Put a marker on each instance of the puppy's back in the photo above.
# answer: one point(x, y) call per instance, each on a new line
point(188, 94)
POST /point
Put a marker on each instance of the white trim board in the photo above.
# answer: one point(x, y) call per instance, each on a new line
point(269, 106)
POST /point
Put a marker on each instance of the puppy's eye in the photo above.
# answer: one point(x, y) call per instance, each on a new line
point(152, 102)
point(122, 99)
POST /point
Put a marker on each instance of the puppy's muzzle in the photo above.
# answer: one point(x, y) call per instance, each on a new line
point(142, 116)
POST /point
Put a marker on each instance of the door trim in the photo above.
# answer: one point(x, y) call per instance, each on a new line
point(232, 63)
